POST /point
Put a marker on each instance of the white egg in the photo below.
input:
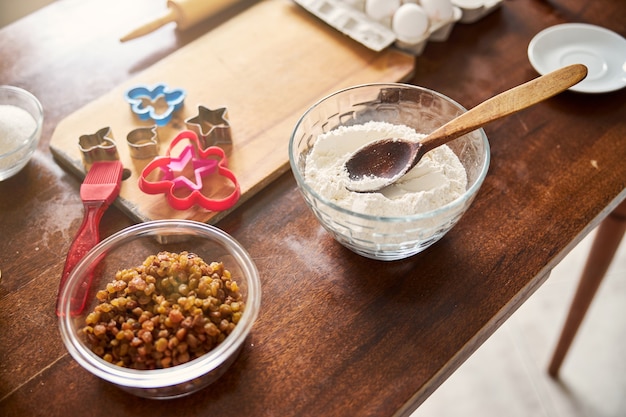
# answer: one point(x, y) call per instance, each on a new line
point(381, 9)
point(438, 10)
point(410, 22)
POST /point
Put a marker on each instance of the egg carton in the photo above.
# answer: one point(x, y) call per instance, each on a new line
point(350, 19)
point(373, 34)
point(351, 22)
point(474, 10)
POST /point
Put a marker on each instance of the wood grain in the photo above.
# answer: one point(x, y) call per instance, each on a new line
point(263, 105)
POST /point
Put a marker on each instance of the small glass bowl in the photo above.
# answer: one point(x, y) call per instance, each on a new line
point(387, 238)
point(129, 248)
point(16, 145)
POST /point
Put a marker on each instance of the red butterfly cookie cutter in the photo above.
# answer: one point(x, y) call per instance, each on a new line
point(204, 162)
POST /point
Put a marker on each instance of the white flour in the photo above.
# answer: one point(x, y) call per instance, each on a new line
point(438, 178)
point(16, 126)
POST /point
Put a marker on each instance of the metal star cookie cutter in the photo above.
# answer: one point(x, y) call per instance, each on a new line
point(99, 146)
point(211, 126)
point(157, 103)
point(204, 162)
point(143, 142)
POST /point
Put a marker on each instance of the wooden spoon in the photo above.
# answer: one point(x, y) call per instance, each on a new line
point(381, 163)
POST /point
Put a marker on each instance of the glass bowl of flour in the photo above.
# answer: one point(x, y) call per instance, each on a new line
point(21, 120)
point(410, 215)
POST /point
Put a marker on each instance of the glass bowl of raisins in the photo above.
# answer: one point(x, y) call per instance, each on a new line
point(160, 309)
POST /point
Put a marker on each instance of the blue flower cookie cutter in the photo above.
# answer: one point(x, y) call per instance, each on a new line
point(157, 103)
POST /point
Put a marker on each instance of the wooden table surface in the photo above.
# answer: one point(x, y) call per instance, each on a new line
point(338, 335)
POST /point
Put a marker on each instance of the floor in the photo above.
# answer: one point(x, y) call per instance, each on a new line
point(507, 376)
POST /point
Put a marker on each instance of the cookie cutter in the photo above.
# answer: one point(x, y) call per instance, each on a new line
point(143, 142)
point(204, 162)
point(157, 104)
point(211, 126)
point(99, 146)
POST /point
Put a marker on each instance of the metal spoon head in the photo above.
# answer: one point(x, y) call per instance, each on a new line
point(380, 163)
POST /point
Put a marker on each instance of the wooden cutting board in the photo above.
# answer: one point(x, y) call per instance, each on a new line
point(267, 65)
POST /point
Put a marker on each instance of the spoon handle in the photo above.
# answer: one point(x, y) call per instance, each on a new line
point(506, 103)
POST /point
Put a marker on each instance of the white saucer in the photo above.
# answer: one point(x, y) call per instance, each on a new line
point(601, 50)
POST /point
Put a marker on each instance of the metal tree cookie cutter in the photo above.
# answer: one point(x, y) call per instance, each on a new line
point(143, 142)
point(157, 104)
point(211, 126)
point(99, 146)
point(204, 163)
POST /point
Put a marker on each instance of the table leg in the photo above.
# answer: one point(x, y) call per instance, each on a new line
point(608, 238)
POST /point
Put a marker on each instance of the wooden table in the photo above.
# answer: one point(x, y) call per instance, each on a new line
point(338, 334)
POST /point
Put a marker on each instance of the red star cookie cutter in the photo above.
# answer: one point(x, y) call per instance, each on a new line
point(184, 191)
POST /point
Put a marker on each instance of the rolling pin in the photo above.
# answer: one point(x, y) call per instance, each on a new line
point(185, 13)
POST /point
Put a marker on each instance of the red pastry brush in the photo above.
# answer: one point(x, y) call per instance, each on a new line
point(99, 189)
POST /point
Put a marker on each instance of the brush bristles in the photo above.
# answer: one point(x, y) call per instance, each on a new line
point(104, 172)
point(102, 182)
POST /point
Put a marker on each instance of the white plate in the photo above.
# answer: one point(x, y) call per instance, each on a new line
point(601, 50)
